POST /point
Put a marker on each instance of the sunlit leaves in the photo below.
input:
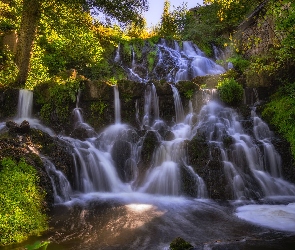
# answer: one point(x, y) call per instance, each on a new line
point(172, 22)
point(20, 202)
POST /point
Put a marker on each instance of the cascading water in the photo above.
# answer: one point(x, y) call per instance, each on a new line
point(126, 198)
point(25, 104)
point(62, 189)
point(151, 106)
point(117, 105)
point(249, 175)
point(178, 105)
point(172, 63)
point(24, 111)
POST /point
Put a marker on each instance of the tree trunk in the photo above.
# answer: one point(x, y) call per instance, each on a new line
point(29, 22)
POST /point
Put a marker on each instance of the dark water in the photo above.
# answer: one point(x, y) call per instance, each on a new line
point(139, 221)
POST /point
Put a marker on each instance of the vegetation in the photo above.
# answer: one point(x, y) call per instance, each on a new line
point(230, 91)
point(21, 210)
point(280, 112)
point(180, 244)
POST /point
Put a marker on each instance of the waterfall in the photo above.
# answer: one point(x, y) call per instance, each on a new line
point(163, 179)
point(172, 63)
point(25, 104)
point(95, 169)
point(151, 106)
point(247, 172)
point(117, 105)
point(61, 187)
point(117, 56)
point(178, 105)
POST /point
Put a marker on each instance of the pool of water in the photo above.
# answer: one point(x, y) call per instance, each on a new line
point(140, 221)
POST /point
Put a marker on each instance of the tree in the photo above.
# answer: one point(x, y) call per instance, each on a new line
point(233, 11)
point(172, 23)
point(123, 11)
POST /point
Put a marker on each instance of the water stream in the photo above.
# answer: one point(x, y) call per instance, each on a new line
point(122, 199)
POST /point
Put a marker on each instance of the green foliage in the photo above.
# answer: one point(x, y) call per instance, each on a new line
point(239, 62)
point(8, 69)
point(151, 59)
point(187, 88)
point(233, 11)
point(21, 210)
point(38, 245)
point(172, 22)
point(204, 28)
point(97, 108)
point(230, 91)
point(280, 112)
point(180, 244)
point(69, 41)
point(56, 98)
point(9, 15)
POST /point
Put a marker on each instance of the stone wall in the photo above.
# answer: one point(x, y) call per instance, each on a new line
point(255, 36)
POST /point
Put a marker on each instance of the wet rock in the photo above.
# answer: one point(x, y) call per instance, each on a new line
point(198, 151)
point(169, 136)
point(150, 143)
point(83, 133)
point(213, 176)
point(13, 127)
point(121, 152)
point(24, 127)
point(188, 182)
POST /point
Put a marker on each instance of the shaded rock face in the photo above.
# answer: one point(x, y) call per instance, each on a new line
point(14, 128)
point(28, 143)
point(8, 102)
point(121, 153)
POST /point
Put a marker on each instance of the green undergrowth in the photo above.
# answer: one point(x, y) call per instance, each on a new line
point(230, 91)
point(21, 210)
point(280, 112)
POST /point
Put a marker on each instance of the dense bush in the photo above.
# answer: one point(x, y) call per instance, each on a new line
point(180, 244)
point(280, 112)
point(230, 91)
point(21, 209)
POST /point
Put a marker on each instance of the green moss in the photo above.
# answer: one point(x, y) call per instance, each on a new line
point(280, 112)
point(187, 88)
point(230, 91)
point(180, 244)
point(21, 211)
point(97, 108)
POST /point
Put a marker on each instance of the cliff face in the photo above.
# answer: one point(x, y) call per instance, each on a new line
point(255, 36)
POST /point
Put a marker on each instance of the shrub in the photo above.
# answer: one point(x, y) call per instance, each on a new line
point(280, 112)
point(21, 209)
point(230, 91)
point(180, 244)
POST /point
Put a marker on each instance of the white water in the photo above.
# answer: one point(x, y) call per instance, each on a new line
point(243, 161)
point(278, 217)
point(178, 105)
point(25, 109)
point(172, 63)
point(25, 104)
point(62, 189)
point(151, 106)
point(117, 105)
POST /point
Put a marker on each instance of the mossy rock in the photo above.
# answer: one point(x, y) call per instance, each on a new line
point(8, 102)
point(180, 244)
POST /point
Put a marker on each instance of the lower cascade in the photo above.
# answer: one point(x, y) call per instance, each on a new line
point(140, 188)
point(122, 159)
point(206, 170)
point(159, 158)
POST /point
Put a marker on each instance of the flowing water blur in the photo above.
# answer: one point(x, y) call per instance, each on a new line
point(110, 209)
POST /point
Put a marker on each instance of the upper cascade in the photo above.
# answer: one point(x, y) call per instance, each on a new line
point(167, 60)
